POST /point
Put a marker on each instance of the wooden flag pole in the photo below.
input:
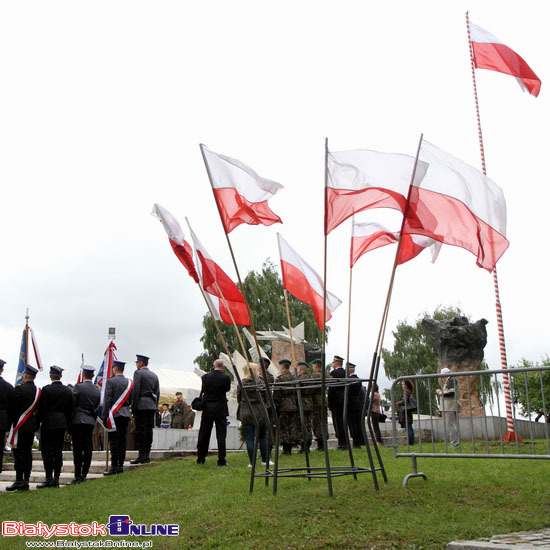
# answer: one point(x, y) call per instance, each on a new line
point(511, 434)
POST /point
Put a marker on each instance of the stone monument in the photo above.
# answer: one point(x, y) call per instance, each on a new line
point(460, 347)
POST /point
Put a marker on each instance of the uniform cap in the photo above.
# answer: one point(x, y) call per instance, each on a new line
point(88, 368)
point(119, 363)
point(302, 363)
point(266, 360)
point(285, 361)
point(338, 359)
point(351, 365)
point(29, 369)
point(2, 363)
point(316, 362)
point(54, 369)
point(143, 358)
point(179, 393)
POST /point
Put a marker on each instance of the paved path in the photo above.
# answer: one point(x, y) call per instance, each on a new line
point(523, 540)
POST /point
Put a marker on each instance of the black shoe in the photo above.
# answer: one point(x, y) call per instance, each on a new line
point(200, 461)
point(223, 464)
point(48, 483)
point(110, 472)
point(55, 482)
point(75, 481)
point(16, 486)
point(341, 448)
point(138, 460)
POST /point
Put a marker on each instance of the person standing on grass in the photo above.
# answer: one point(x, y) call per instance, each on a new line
point(317, 410)
point(55, 414)
point(287, 408)
point(144, 406)
point(248, 410)
point(7, 394)
point(449, 405)
point(86, 397)
point(375, 413)
point(335, 400)
point(215, 385)
point(405, 415)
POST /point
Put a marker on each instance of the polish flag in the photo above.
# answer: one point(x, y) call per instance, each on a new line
point(240, 193)
point(304, 283)
point(361, 179)
point(182, 249)
point(369, 236)
point(218, 286)
point(456, 204)
point(490, 53)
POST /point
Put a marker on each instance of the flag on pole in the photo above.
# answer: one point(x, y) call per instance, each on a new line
point(362, 179)
point(240, 193)
point(182, 249)
point(491, 53)
point(456, 204)
point(216, 283)
point(304, 283)
point(105, 372)
point(367, 236)
point(23, 353)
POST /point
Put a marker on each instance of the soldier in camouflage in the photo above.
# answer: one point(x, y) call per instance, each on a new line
point(307, 404)
point(317, 405)
point(287, 409)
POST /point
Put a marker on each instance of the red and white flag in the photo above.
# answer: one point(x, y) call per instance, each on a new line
point(304, 283)
point(240, 193)
point(456, 204)
point(362, 179)
point(490, 53)
point(367, 236)
point(182, 249)
point(218, 286)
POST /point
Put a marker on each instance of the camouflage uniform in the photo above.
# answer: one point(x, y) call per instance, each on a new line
point(178, 410)
point(287, 409)
point(307, 408)
point(317, 411)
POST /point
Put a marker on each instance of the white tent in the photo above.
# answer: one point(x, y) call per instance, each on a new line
point(172, 380)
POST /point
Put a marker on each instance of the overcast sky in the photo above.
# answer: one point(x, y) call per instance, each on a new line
point(102, 109)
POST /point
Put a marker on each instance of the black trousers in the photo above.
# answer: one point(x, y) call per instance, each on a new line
point(22, 454)
point(82, 448)
point(207, 421)
point(338, 421)
point(2, 445)
point(117, 441)
point(51, 444)
point(354, 423)
point(145, 421)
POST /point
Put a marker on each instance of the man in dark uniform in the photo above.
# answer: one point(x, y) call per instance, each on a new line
point(317, 407)
point(270, 413)
point(144, 406)
point(55, 414)
point(178, 409)
point(86, 397)
point(287, 409)
point(116, 415)
point(7, 394)
point(335, 400)
point(215, 384)
point(23, 414)
point(355, 409)
point(307, 404)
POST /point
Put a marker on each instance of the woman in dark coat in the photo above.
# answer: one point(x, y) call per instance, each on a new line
point(246, 413)
point(405, 415)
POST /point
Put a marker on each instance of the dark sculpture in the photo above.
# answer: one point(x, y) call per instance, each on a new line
point(457, 340)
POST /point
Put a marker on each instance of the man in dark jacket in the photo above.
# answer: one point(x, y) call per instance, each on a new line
point(55, 414)
point(144, 406)
point(7, 394)
point(23, 414)
point(116, 415)
point(355, 409)
point(86, 397)
point(335, 399)
point(215, 384)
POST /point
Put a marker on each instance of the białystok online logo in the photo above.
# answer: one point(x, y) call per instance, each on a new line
point(118, 526)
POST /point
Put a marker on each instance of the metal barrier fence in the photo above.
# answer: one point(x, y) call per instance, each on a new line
point(459, 426)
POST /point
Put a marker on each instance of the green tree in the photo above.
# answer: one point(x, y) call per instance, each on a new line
point(264, 293)
point(537, 400)
point(415, 352)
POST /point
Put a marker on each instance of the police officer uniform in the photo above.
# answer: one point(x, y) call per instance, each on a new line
point(144, 406)
point(55, 414)
point(355, 410)
point(24, 396)
point(86, 397)
point(335, 400)
point(115, 387)
point(7, 394)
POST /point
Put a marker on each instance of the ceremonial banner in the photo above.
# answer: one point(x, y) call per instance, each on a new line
point(105, 372)
point(215, 282)
point(368, 236)
point(361, 179)
point(23, 354)
point(240, 193)
point(490, 53)
point(456, 204)
point(182, 249)
point(304, 283)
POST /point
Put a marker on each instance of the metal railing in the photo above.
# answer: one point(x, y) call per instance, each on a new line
point(479, 432)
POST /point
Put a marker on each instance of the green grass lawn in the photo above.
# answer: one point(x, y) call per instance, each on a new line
point(462, 499)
